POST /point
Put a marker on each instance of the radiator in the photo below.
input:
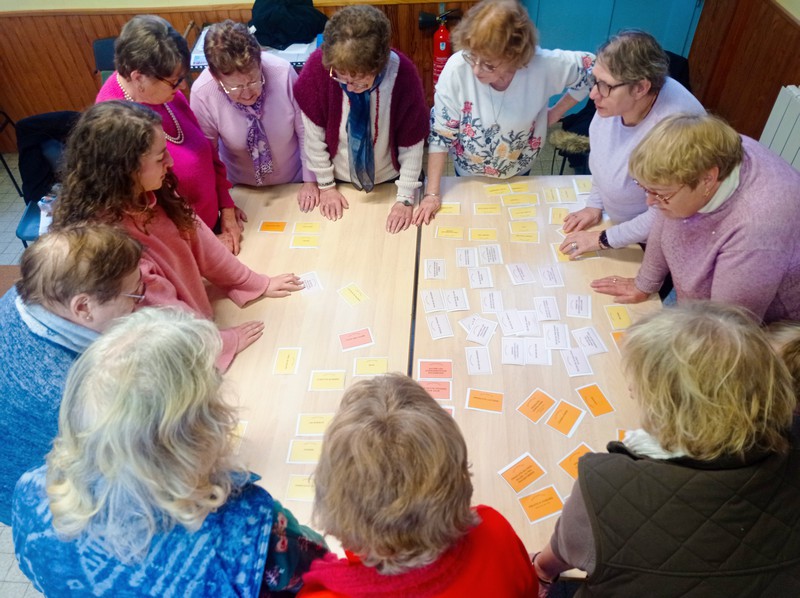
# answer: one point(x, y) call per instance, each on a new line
point(782, 131)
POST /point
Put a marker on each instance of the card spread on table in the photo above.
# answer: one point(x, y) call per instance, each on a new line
point(237, 435)
point(353, 294)
point(286, 361)
point(542, 504)
point(512, 351)
point(579, 306)
point(496, 189)
point(489, 255)
point(537, 352)
point(557, 215)
point(439, 326)
point(556, 335)
point(466, 323)
point(519, 187)
point(313, 424)
point(576, 363)
point(621, 433)
point(530, 322)
point(560, 257)
point(301, 487)
point(450, 232)
point(522, 212)
point(520, 273)
point(455, 299)
point(524, 237)
point(466, 257)
point(589, 341)
point(267, 226)
point(570, 462)
point(432, 300)
point(311, 282)
point(510, 322)
point(438, 389)
point(370, 366)
point(522, 472)
point(567, 195)
point(619, 316)
point(481, 331)
point(478, 361)
point(484, 400)
point(356, 339)
point(483, 234)
point(449, 208)
point(595, 400)
point(546, 308)
point(491, 302)
point(434, 368)
point(618, 336)
point(550, 195)
point(565, 418)
point(480, 278)
point(551, 276)
point(522, 227)
point(326, 380)
point(435, 269)
point(308, 228)
point(304, 242)
point(582, 186)
point(520, 199)
point(486, 209)
point(304, 451)
point(536, 405)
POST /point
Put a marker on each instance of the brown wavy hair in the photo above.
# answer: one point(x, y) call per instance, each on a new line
point(230, 48)
point(357, 40)
point(102, 159)
point(150, 45)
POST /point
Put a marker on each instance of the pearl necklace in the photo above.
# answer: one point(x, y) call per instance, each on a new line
point(178, 139)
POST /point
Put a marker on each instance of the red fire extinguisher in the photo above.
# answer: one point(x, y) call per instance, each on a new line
point(441, 47)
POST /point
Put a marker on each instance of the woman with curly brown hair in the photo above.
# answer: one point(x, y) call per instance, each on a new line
point(119, 172)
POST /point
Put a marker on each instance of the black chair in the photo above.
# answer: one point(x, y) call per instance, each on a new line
point(5, 120)
point(103, 49)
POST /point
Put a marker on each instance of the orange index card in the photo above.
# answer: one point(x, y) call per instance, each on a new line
point(483, 234)
point(522, 212)
point(523, 472)
point(429, 368)
point(353, 294)
point(618, 336)
point(356, 339)
point(450, 232)
point(286, 361)
point(438, 389)
point(304, 451)
point(567, 195)
point(496, 189)
point(565, 418)
point(595, 400)
point(570, 462)
point(237, 435)
point(524, 237)
point(619, 316)
point(449, 208)
point(326, 380)
point(523, 226)
point(313, 424)
point(272, 227)
point(542, 504)
point(301, 487)
point(557, 215)
point(304, 242)
point(520, 199)
point(309, 228)
point(370, 366)
point(486, 209)
point(519, 187)
point(485, 400)
point(536, 405)
point(550, 195)
point(621, 434)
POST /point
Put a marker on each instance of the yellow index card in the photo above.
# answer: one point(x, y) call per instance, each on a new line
point(304, 451)
point(524, 237)
point(550, 195)
point(450, 208)
point(519, 187)
point(567, 195)
point(523, 226)
point(619, 316)
point(313, 424)
point(520, 199)
point(301, 487)
point(327, 380)
point(483, 234)
point(286, 361)
point(353, 294)
point(486, 209)
point(496, 189)
point(522, 213)
point(370, 366)
point(304, 242)
point(449, 232)
point(312, 228)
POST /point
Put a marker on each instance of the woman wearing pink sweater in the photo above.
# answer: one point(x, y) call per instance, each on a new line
point(119, 172)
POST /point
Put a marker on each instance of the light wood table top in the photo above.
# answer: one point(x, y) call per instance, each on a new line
point(495, 440)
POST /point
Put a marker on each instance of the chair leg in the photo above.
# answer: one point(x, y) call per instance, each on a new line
point(10, 174)
point(563, 163)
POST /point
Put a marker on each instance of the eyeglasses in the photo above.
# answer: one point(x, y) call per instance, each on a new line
point(170, 83)
point(661, 198)
point(137, 297)
point(238, 89)
point(603, 88)
point(353, 84)
point(472, 61)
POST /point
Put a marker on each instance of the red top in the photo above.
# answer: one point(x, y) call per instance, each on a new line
point(490, 561)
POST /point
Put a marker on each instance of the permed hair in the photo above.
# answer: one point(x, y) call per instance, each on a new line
point(231, 48)
point(683, 147)
point(498, 30)
point(92, 259)
point(150, 45)
point(785, 339)
point(393, 482)
point(633, 55)
point(708, 382)
point(357, 41)
point(144, 434)
point(102, 161)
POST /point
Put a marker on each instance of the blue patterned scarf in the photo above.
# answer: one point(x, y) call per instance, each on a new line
point(257, 142)
point(359, 137)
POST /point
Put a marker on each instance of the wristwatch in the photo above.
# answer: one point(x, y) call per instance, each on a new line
point(406, 202)
point(603, 241)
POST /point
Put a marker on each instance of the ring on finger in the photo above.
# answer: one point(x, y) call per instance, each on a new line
point(574, 246)
point(614, 280)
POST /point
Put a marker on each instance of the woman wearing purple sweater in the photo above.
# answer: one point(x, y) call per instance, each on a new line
point(729, 212)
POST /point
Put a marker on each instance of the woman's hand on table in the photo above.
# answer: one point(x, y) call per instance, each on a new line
point(230, 229)
point(622, 289)
point(332, 203)
point(399, 217)
point(582, 219)
point(426, 211)
point(576, 244)
point(247, 334)
point(283, 285)
point(308, 197)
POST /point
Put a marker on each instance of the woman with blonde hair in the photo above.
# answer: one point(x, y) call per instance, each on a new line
point(119, 171)
point(729, 211)
point(491, 110)
point(74, 283)
point(702, 501)
point(393, 485)
point(140, 494)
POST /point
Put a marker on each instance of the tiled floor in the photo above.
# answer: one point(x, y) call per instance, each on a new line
point(13, 584)
point(11, 207)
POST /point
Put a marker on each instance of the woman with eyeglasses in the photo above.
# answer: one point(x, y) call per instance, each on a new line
point(364, 114)
point(246, 107)
point(490, 109)
point(74, 283)
point(152, 61)
point(632, 93)
point(119, 171)
point(727, 222)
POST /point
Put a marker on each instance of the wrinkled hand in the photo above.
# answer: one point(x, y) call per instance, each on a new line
point(247, 334)
point(283, 285)
point(332, 203)
point(230, 229)
point(623, 289)
point(399, 217)
point(582, 219)
point(308, 197)
point(227, 240)
point(241, 217)
point(426, 211)
point(576, 244)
